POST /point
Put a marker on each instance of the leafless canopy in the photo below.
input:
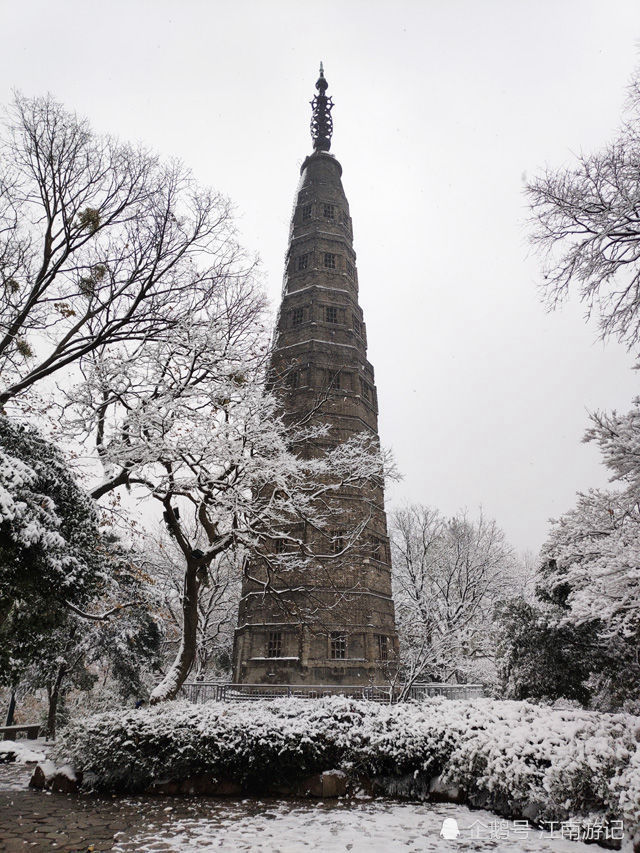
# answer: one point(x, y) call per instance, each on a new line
point(448, 575)
point(100, 243)
point(586, 221)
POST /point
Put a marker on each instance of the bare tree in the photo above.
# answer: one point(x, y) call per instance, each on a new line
point(586, 220)
point(100, 244)
point(448, 575)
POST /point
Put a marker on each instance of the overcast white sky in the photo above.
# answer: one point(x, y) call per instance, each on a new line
point(442, 109)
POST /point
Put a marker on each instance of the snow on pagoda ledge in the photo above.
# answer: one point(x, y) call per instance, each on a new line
point(521, 760)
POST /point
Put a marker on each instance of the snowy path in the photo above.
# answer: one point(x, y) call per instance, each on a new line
point(373, 826)
point(37, 821)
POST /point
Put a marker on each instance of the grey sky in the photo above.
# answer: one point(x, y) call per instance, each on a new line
point(441, 110)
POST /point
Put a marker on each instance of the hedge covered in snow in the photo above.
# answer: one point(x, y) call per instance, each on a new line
point(519, 759)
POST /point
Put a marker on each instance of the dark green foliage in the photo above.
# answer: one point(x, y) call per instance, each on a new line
point(51, 551)
point(541, 658)
point(131, 644)
point(545, 653)
point(616, 684)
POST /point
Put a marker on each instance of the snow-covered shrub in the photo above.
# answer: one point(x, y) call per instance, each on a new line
point(627, 786)
point(563, 761)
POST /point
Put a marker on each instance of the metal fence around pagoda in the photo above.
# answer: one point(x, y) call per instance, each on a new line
point(212, 691)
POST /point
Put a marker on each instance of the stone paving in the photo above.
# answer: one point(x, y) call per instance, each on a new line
point(35, 820)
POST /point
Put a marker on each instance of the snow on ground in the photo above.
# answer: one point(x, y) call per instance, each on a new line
point(373, 826)
point(181, 824)
point(23, 751)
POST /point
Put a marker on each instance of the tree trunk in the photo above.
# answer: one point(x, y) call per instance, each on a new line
point(11, 709)
point(54, 695)
point(170, 685)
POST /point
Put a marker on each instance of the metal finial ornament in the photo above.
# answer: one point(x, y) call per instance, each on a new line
point(321, 121)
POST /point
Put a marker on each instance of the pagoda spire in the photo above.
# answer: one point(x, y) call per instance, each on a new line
point(321, 121)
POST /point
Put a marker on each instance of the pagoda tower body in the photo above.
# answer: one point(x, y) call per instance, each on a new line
point(320, 371)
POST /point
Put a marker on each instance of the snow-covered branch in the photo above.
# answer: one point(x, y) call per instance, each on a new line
point(107, 614)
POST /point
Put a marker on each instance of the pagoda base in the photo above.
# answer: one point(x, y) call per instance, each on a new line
point(292, 671)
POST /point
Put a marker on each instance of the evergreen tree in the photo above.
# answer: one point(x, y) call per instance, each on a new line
point(539, 657)
point(52, 557)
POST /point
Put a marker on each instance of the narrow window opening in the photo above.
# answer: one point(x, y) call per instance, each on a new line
point(379, 549)
point(331, 314)
point(306, 212)
point(329, 260)
point(297, 316)
point(338, 648)
point(274, 644)
point(329, 211)
point(383, 647)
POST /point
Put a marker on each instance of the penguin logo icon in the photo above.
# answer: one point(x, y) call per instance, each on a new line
point(449, 828)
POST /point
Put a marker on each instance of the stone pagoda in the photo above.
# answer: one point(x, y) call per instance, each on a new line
point(340, 628)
